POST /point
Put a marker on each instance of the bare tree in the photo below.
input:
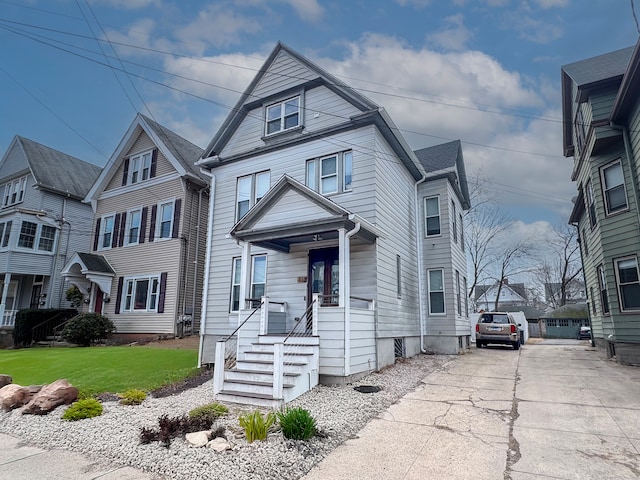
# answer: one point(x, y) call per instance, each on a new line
point(562, 266)
point(513, 259)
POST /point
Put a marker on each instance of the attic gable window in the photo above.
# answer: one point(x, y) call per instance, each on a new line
point(139, 167)
point(282, 116)
point(14, 191)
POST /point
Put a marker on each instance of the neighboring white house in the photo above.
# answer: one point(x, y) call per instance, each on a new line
point(511, 294)
point(323, 227)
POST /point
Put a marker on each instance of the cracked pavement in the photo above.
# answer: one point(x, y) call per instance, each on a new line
point(553, 410)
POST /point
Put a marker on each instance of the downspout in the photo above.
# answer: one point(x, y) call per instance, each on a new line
point(54, 264)
point(195, 258)
point(207, 262)
point(627, 149)
point(584, 280)
point(347, 300)
point(420, 263)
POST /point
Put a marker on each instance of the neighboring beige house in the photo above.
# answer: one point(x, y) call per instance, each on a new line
point(319, 248)
point(143, 267)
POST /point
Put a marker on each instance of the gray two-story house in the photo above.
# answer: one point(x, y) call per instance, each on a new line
point(42, 223)
point(601, 121)
point(330, 241)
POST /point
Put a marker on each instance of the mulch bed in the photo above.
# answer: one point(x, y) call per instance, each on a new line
point(204, 375)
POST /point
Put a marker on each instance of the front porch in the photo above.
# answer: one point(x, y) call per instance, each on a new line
point(18, 292)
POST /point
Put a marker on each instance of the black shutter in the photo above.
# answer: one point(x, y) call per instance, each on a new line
point(152, 228)
point(143, 224)
point(154, 163)
point(96, 238)
point(119, 294)
point(116, 231)
point(163, 288)
point(125, 171)
point(176, 218)
point(123, 228)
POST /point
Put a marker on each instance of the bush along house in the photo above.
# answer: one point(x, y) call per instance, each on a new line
point(327, 257)
point(601, 118)
point(143, 265)
point(42, 222)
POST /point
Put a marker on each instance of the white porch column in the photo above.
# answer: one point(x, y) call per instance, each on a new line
point(245, 275)
point(5, 291)
point(343, 267)
point(345, 294)
point(264, 315)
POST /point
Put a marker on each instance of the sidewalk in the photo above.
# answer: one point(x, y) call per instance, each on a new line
point(25, 462)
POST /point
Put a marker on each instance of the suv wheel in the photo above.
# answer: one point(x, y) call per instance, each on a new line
point(516, 345)
point(478, 344)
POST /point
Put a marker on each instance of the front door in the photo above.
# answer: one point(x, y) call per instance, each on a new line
point(36, 293)
point(97, 307)
point(324, 273)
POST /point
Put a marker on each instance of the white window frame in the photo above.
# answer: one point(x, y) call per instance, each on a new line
point(37, 237)
point(343, 175)
point(253, 283)
point(129, 226)
point(399, 276)
point(454, 221)
point(129, 290)
point(236, 281)
point(461, 223)
point(256, 191)
point(138, 164)
point(40, 238)
point(620, 285)
point(427, 217)
point(158, 232)
point(103, 231)
point(602, 288)
point(279, 109)
point(444, 303)
point(458, 295)
point(14, 191)
point(606, 188)
point(590, 200)
point(466, 297)
point(5, 233)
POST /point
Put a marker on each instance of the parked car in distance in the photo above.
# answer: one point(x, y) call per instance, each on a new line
point(585, 333)
point(497, 327)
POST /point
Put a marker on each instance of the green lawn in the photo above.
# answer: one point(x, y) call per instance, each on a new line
point(99, 369)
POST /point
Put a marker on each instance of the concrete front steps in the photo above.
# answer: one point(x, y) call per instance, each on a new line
point(250, 382)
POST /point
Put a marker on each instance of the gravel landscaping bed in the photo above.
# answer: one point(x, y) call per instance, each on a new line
point(114, 436)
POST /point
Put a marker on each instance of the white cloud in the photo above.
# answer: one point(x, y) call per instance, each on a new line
point(132, 4)
point(551, 3)
point(307, 10)
point(413, 3)
point(453, 36)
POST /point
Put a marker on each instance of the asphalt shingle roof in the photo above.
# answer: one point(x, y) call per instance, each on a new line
point(602, 67)
point(439, 157)
point(96, 263)
point(59, 171)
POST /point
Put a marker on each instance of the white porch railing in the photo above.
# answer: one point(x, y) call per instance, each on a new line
point(9, 318)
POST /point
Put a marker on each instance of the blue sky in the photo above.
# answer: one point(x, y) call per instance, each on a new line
point(486, 72)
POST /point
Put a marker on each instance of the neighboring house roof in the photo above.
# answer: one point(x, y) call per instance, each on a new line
point(181, 153)
point(530, 313)
point(371, 113)
point(446, 160)
point(628, 92)
point(51, 169)
point(587, 74)
point(574, 310)
point(516, 288)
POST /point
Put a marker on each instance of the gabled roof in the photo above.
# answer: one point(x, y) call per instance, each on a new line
point(587, 74)
point(516, 288)
point(446, 160)
point(95, 263)
point(371, 113)
point(181, 153)
point(51, 169)
point(628, 92)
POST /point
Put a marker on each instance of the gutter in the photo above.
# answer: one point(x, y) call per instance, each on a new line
point(347, 302)
point(420, 264)
point(207, 262)
point(628, 152)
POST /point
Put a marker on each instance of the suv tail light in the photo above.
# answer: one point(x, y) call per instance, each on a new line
point(513, 328)
point(477, 327)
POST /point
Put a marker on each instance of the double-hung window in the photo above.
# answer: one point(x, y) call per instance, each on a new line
point(436, 291)
point(458, 294)
point(283, 115)
point(432, 216)
point(32, 236)
point(27, 236)
point(615, 197)
point(454, 219)
point(140, 167)
point(5, 233)
point(249, 190)
point(47, 238)
point(466, 298)
point(258, 281)
point(14, 191)
point(141, 294)
point(602, 284)
point(132, 235)
point(236, 275)
point(461, 223)
point(165, 219)
point(591, 203)
point(107, 231)
point(330, 174)
point(628, 283)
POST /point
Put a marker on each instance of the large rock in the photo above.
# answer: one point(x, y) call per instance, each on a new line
point(5, 380)
point(198, 439)
point(60, 392)
point(14, 396)
point(219, 444)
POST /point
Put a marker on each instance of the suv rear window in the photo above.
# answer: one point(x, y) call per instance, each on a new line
point(488, 318)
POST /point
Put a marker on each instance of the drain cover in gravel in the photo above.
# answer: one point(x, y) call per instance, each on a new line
point(367, 388)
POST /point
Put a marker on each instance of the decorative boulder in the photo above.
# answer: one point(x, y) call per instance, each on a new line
point(60, 392)
point(14, 396)
point(219, 444)
point(198, 439)
point(5, 380)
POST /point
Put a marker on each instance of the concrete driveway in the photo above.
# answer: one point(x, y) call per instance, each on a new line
point(555, 409)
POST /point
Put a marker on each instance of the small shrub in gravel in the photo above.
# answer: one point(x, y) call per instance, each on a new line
point(210, 411)
point(132, 397)
point(172, 427)
point(297, 423)
point(87, 408)
point(255, 425)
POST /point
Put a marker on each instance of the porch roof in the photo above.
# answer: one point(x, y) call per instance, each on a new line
point(91, 267)
point(291, 213)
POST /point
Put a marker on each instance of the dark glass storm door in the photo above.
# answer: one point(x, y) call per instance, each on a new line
point(324, 273)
